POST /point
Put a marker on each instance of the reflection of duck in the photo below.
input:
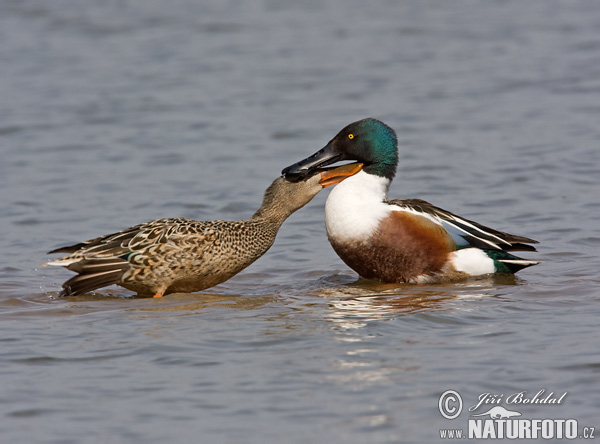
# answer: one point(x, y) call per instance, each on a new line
point(182, 255)
point(405, 240)
point(353, 306)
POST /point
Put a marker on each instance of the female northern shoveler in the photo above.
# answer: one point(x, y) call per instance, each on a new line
point(181, 255)
point(404, 240)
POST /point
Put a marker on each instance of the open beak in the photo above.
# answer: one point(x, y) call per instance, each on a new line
point(323, 157)
point(331, 176)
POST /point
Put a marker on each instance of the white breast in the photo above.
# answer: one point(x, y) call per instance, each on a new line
point(355, 207)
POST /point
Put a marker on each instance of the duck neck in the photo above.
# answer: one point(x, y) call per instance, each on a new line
point(272, 212)
point(276, 206)
point(282, 198)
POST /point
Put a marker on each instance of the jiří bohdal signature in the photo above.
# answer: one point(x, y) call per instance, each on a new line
point(518, 398)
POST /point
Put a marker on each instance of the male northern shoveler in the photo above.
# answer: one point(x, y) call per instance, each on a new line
point(404, 240)
point(182, 255)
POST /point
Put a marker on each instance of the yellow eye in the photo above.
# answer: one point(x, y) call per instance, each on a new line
point(350, 136)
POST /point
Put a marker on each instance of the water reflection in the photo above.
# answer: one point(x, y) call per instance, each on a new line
point(349, 305)
point(354, 306)
point(176, 304)
point(191, 303)
point(366, 357)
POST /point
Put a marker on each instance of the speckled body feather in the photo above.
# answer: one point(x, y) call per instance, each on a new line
point(182, 255)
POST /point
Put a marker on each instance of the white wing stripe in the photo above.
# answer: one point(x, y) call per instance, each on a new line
point(489, 242)
point(464, 222)
point(456, 225)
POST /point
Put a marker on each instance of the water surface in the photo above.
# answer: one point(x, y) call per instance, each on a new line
point(118, 113)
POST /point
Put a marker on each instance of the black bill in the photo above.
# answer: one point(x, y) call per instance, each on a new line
point(321, 158)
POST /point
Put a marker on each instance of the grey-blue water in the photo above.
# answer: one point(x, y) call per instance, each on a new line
point(119, 112)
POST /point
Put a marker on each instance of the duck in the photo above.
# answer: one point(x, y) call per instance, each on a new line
point(183, 255)
point(401, 240)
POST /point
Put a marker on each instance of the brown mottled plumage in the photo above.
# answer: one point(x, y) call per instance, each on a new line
point(182, 255)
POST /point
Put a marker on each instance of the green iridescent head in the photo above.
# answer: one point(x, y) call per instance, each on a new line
point(368, 141)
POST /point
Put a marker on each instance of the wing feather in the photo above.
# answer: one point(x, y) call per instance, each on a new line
point(466, 232)
point(103, 260)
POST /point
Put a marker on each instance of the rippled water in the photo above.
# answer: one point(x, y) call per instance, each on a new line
point(114, 113)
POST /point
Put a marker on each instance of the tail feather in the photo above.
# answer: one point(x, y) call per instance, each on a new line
point(508, 263)
point(92, 273)
point(83, 283)
point(515, 265)
point(102, 261)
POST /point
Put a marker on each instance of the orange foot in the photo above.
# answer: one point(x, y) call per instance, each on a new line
point(157, 295)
